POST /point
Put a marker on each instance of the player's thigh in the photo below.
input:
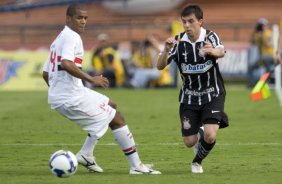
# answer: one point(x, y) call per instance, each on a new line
point(190, 120)
point(213, 112)
point(92, 113)
point(210, 132)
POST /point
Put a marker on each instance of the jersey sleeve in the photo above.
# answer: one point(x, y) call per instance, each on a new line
point(214, 39)
point(68, 48)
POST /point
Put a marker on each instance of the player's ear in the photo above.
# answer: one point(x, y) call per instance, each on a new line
point(68, 19)
point(201, 22)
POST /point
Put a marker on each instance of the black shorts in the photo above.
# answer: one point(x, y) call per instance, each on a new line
point(193, 117)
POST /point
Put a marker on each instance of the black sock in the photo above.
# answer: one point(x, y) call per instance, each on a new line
point(204, 150)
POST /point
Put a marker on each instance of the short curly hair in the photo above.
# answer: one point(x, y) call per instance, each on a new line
point(71, 11)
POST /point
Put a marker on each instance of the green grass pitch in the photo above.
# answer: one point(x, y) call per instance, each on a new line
point(248, 151)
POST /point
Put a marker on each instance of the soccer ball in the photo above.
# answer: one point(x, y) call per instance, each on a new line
point(63, 163)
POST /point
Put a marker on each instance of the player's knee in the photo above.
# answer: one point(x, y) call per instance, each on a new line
point(189, 141)
point(210, 138)
point(113, 104)
point(117, 122)
point(120, 117)
point(188, 144)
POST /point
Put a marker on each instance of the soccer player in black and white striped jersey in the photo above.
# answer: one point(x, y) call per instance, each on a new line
point(202, 95)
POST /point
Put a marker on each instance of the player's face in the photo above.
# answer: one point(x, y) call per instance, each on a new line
point(78, 21)
point(192, 26)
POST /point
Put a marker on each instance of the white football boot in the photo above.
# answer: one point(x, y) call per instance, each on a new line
point(88, 162)
point(196, 168)
point(144, 169)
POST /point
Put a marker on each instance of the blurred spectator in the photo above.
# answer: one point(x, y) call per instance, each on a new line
point(106, 61)
point(143, 72)
point(261, 40)
point(176, 27)
point(125, 53)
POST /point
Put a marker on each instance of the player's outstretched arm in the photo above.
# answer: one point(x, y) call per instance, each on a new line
point(72, 69)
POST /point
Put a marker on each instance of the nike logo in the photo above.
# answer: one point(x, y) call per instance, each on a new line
point(214, 111)
point(87, 162)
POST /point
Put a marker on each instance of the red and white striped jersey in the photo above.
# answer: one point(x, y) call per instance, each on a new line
point(62, 86)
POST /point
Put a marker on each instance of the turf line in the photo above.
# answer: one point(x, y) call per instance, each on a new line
point(157, 144)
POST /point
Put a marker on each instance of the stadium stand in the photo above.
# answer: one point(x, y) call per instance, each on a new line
point(35, 24)
point(19, 5)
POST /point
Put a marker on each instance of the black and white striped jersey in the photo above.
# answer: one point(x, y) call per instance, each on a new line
point(200, 74)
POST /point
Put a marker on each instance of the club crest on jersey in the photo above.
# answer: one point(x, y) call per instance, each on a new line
point(186, 123)
point(198, 68)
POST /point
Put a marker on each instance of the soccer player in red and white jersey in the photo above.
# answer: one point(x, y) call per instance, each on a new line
point(92, 111)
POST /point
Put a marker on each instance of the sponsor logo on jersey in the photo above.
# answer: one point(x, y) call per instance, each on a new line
point(199, 93)
point(198, 68)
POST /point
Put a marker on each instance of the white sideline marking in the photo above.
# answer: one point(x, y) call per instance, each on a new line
point(158, 144)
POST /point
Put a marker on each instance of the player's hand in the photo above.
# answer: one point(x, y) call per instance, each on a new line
point(207, 48)
point(169, 43)
point(100, 81)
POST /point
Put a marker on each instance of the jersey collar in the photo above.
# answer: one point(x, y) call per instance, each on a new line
point(200, 39)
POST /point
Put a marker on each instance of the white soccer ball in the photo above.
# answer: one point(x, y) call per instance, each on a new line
point(63, 163)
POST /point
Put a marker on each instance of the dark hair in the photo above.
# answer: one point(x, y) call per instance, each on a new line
point(147, 43)
point(71, 11)
point(192, 9)
point(259, 27)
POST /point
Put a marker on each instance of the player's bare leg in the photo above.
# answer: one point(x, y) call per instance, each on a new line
point(205, 146)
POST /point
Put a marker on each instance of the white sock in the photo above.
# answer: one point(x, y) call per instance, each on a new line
point(89, 145)
point(125, 139)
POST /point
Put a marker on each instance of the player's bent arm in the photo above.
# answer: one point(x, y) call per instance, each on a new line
point(72, 69)
point(46, 77)
point(218, 52)
point(163, 56)
point(162, 60)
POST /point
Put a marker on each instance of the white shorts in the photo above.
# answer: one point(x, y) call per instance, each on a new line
point(91, 112)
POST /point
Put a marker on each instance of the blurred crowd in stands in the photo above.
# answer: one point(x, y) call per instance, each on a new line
point(131, 64)
point(262, 52)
